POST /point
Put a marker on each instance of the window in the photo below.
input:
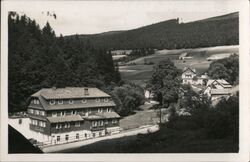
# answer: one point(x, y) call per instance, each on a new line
point(52, 102)
point(20, 121)
point(71, 102)
point(54, 114)
point(106, 122)
point(57, 126)
point(31, 111)
point(66, 137)
point(94, 123)
point(42, 124)
point(97, 100)
point(35, 122)
point(84, 101)
point(100, 123)
point(42, 113)
point(100, 110)
point(106, 100)
point(58, 138)
point(36, 101)
point(37, 112)
point(63, 113)
point(77, 124)
point(66, 125)
point(73, 112)
point(114, 121)
point(77, 135)
point(108, 109)
point(59, 113)
point(60, 102)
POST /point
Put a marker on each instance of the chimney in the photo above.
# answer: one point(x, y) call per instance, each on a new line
point(86, 91)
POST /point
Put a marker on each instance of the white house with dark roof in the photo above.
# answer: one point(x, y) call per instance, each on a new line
point(72, 113)
point(190, 76)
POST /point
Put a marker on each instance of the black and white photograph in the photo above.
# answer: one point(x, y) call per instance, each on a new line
point(125, 77)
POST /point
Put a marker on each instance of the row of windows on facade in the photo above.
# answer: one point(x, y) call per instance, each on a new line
point(58, 138)
point(100, 123)
point(78, 124)
point(60, 102)
point(75, 112)
point(63, 113)
point(188, 76)
point(67, 125)
point(36, 112)
point(37, 122)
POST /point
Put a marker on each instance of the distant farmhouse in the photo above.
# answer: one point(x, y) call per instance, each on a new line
point(121, 52)
point(184, 56)
point(218, 89)
point(68, 114)
point(189, 76)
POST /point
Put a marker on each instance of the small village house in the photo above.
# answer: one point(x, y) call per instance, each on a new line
point(72, 113)
point(216, 89)
point(190, 76)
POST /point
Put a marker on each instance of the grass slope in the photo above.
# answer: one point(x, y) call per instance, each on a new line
point(163, 141)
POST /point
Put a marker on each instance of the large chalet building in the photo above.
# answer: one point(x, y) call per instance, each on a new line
point(72, 113)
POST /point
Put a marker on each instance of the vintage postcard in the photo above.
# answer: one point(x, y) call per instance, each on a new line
point(125, 80)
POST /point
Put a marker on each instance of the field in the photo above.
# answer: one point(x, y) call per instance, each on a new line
point(137, 71)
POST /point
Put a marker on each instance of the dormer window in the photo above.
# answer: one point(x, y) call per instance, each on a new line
point(52, 102)
point(99, 110)
point(60, 102)
point(84, 101)
point(71, 101)
point(106, 100)
point(97, 100)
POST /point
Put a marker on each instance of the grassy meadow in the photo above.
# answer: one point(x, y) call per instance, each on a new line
point(138, 72)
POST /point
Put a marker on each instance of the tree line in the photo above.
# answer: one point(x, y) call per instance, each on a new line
point(172, 34)
point(38, 59)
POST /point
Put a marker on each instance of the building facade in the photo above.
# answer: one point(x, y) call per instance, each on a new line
point(190, 76)
point(216, 89)
point(72, 113)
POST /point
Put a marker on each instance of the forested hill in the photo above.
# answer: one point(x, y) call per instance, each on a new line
point(38, 59)
point(215, 31)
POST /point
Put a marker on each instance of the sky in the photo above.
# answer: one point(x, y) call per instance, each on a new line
point(89, 17)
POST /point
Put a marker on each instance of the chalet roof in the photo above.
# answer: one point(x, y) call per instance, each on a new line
point(188, 68)
point(220, 92)
point(61, 119)
point(69, 92)
point(105, 115)
point(222, 82)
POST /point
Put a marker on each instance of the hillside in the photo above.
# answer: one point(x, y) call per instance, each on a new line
point(19, 144)
point(171, 34)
